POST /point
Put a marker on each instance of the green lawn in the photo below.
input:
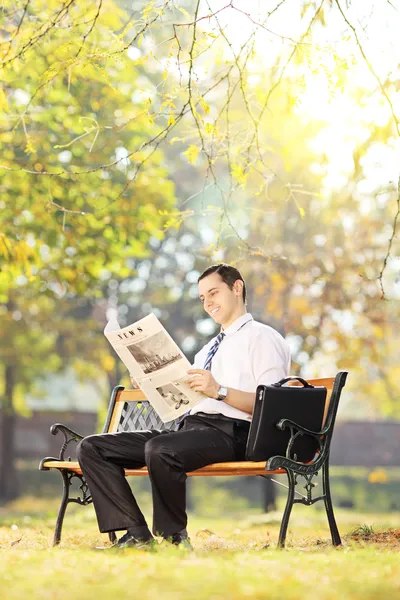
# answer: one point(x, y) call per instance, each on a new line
point(230, 559)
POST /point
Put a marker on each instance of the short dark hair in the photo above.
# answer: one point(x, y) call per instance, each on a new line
point(227, 273)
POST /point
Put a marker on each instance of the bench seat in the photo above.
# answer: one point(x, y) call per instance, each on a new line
point(217, 469)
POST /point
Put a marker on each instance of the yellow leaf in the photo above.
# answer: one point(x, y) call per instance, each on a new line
point(210, 129)
point(378, 332)
point(4, 249)
point(108, 363)
point(148, 10)
point(378, 476)
point(3, 101)
point(171, 121)
point(301, 210)
point(238, 173)
point(192, 154)
point(205, 106)
point(184, 12)
point(126, 29)
point(299, 305)
point(287, 162)
point(30, 147)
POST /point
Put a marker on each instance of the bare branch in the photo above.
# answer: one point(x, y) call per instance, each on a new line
point(278, 82)
point(261, 26)
point(370, 67)
point(209, 16)
point(17, 30)
point(394, 229)
point(397, 125)
point(48, 27)
point(90, 28)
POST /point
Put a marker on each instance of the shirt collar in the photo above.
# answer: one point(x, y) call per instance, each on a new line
point(236, 325)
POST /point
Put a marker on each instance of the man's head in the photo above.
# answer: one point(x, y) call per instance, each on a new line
point(222, 291)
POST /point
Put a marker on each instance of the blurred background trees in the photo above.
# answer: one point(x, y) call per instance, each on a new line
point(142, 141)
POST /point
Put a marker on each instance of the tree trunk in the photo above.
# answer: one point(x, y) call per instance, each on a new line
point(8, 472)
point(114, 377)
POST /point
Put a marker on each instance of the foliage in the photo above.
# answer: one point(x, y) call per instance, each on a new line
point(66, 218)
point(67, 225)
point(139, 141)
point(201, 81)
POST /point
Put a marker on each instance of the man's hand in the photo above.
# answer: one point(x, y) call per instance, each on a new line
point(202, 381)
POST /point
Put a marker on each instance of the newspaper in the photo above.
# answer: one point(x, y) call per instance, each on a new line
point(156, 363)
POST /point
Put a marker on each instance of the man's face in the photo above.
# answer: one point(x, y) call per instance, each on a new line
point(219, 301)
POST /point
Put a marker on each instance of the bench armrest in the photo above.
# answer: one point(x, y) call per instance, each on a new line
point(297, 430)
point(54, 429)
point(69, 436)
point(283, 423)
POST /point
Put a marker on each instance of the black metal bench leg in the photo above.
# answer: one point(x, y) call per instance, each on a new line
point(288, 509)
point(336, 541)
point(63, 506)
point(112, 536)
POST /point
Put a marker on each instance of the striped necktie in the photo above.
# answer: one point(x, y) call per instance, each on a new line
point(212, 351)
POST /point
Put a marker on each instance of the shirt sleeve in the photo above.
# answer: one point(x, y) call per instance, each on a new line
point(269, 356)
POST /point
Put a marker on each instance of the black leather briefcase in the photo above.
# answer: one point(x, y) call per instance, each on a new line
point(302, 404)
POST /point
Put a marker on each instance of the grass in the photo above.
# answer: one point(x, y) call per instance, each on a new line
point(234, 558)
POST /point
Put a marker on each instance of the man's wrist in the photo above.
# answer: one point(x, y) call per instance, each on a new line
point(215, 393)
point(222, 393)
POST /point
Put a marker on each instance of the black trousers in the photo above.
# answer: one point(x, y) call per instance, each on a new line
point(201, 440)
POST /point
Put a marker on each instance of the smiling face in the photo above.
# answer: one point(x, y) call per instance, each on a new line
point(224, 305)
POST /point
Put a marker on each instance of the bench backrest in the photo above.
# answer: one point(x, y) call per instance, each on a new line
point(129, 410)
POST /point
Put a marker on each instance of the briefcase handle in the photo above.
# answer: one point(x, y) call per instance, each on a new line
point(286, 379)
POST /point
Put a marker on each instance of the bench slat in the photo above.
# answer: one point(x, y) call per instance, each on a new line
point(217, 469)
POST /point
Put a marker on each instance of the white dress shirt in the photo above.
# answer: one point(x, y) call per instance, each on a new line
point(250, 354)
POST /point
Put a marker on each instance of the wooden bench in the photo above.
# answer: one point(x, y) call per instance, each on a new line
point(130, 411)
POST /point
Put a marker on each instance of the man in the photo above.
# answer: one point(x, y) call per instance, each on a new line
point(227, 372)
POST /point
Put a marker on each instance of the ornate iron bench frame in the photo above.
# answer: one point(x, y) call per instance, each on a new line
point(129, 411)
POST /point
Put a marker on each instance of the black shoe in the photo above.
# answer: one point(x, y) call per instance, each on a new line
point(129, 541)
point(181, 539)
